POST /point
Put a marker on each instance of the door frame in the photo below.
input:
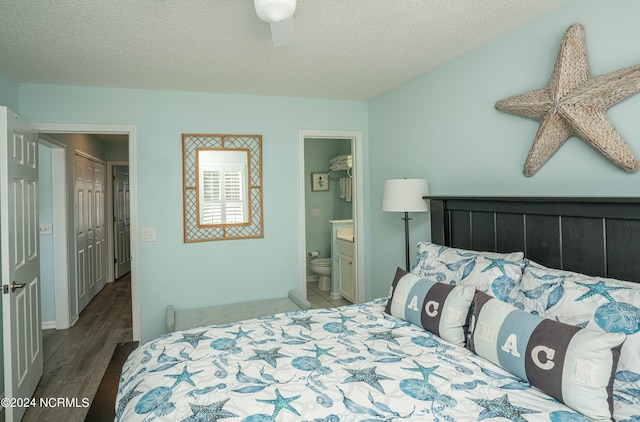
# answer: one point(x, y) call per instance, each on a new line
point(59, 222)
point(358, 212)
point(131, 131)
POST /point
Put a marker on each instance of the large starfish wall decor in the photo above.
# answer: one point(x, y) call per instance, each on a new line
point(574, 104)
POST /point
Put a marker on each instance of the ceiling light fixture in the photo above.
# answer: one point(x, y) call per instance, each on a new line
point(274, 10)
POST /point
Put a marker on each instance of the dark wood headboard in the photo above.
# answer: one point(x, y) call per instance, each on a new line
point(596, 236)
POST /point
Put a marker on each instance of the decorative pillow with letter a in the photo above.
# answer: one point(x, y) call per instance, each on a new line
point(437, 307)
point(574, 365)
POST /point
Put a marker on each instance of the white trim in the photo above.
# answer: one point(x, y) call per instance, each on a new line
point(358, 179)
point(59, 222)
point(130, 130)
point(60, 246)
point(335, 296)
point(89, 156)
point(49, 325)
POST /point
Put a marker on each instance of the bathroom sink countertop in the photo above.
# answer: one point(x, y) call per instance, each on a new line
point(345, 234)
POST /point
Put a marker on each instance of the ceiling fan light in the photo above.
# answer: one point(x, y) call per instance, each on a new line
point(274, 10)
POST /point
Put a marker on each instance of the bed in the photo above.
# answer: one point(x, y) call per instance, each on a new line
point(517, 309)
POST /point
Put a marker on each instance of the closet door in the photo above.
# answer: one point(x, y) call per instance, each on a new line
point(91, 233)
point(100, 270)
point(90, 224)
point(81, 211)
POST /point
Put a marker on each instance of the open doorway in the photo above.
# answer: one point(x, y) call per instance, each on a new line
point(128, 133)
point(54, 309)
point(92, 199)
point(349, 144)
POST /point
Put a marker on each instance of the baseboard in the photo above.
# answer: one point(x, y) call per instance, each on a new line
point(335, 295)
point(48, 325)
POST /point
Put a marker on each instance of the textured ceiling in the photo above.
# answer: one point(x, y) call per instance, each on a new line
point(344, 49)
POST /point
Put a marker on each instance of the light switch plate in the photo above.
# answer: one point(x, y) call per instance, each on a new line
point(148, 234)
point(315, 212)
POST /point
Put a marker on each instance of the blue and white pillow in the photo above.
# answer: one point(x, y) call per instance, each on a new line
point(572, 364)
point(437, 307)
point(493, 273)
point(598, 303)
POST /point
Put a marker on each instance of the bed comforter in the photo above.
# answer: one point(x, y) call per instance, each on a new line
point(354, 363)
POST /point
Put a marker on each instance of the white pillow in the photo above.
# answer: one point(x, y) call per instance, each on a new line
point(493, 273)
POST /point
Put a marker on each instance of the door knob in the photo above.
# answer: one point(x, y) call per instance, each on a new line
point(15, 286)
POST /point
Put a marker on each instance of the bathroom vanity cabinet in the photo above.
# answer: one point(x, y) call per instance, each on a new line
point(346, 270)
point(341, 230)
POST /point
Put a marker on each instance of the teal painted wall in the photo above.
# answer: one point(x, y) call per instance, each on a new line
point(443, 125)
point(206, 273)
point(116, 151)
point(9, 92)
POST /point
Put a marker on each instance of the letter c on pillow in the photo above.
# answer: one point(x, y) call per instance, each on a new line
point(431, 308)
point(549, 353)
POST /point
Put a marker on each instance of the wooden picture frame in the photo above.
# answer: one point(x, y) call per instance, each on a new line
point(319, 182)
point(197, 228)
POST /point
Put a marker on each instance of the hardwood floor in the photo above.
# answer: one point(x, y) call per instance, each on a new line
point(76, 359)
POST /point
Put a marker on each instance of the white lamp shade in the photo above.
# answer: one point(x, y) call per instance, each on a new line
point(274, 10)
point(405, 195)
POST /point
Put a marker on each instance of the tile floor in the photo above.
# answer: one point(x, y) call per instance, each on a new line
point(320, 299)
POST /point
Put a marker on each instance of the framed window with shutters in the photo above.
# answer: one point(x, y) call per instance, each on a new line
point(222, 179)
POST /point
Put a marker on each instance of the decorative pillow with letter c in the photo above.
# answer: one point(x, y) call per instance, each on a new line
point(574, 365)
point(437, 307)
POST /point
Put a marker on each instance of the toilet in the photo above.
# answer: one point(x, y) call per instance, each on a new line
point(322, 267)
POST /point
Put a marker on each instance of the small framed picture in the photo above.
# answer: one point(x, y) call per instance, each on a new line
point(319, 182)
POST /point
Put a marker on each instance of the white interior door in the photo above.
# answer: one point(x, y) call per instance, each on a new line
point(99, 268)
point(122, 226)
point(90, 226)
point(20, 264)
point(82, 254)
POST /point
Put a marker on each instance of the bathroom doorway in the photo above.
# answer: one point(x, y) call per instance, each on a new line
point(335, 158)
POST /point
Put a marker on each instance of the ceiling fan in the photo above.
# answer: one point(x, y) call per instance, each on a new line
point(279, 14)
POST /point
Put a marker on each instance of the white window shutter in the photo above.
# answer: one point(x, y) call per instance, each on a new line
point(222, 197)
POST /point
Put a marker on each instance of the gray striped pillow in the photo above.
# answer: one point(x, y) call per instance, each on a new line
point(440, 308)
point(574, 365)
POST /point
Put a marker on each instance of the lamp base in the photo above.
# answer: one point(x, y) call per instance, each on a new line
point(406, 237)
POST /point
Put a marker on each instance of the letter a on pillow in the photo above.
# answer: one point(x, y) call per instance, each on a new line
point(434, 306)
point(574, 365)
